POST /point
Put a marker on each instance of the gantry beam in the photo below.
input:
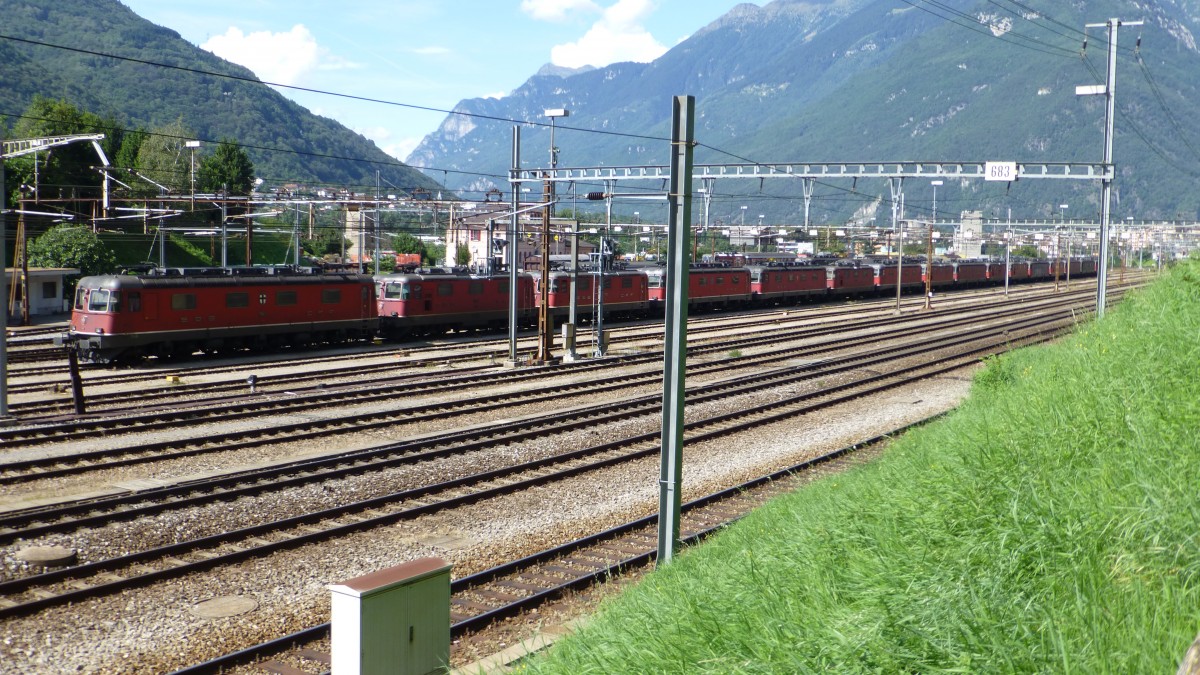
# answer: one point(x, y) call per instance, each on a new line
point(25, 146)
point(818, 170)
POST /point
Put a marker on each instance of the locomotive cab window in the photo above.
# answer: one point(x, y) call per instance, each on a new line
point(331, 296)
point(237, 299)
point(285, 298)
point(80, 295)
point(103, 300)
point(183, 301)
point(395, 291)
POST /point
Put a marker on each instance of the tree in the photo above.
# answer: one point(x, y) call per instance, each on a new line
point(404, 242)
point(327, 242)
point(228, 168)
point(71, 246)
point(462, 256)
point(164, 158)
point(1027, 251)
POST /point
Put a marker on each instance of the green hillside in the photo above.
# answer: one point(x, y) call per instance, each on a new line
point(286, 142)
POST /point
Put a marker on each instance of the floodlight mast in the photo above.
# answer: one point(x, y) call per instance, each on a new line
point(8, 150)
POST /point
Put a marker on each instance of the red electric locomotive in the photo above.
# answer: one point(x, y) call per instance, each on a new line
point(910, 275)
point(970, 273)
point(625, 294)
point(786, 284)
point(1040, 270)
point(942, 274)
point(995, 272)
point(435, 302)
point(708, 287)
point(850, 279)
point(176, 312)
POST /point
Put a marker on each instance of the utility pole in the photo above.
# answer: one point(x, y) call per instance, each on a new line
point(513, 289)
point(675, 347)
point(1108, 89)
point(3, 283)
point(545, 321)
point(929, 267)
point(375, 227)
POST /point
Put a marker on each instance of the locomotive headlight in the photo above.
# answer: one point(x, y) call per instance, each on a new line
point(395, 313)
point(99, 331)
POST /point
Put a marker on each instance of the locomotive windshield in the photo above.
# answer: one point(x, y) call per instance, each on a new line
point(103, 300)
point(394, 291)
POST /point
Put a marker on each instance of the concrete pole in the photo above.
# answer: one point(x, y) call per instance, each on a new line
point(675, 350)
point(513, 308)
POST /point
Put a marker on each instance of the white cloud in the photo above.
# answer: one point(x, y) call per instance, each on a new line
point(618, 36)
point(281, 58)
point(400, 148)
point(557, 10)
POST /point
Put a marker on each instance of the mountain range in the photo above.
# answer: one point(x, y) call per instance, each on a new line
point(791, 81)
point(876, 80)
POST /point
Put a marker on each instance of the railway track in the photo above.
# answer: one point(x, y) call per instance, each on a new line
point(451, 349)
point(363, 375)
point(242, 408)
point(35, 592)
point(485, 597)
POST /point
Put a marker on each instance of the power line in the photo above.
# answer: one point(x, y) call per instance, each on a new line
point(353, 97)
point(1062, 52)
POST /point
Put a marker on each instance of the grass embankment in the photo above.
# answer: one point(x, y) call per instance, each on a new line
point(1048, 525)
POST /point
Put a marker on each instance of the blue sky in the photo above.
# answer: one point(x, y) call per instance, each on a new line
point(430, 53)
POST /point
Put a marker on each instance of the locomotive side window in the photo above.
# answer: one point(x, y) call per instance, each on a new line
point(626, 282)
point(702, 279)
point(181, 301)
point(262, 298)
point(331, 296)
point(475, 288)
point(719, 281)
point(607, 282)
point(237, 299)
point(445, 289)
point(135, 302)
point(504, 287)
point(285, 298)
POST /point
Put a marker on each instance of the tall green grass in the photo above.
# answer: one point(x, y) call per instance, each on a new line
point(1049, 525)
